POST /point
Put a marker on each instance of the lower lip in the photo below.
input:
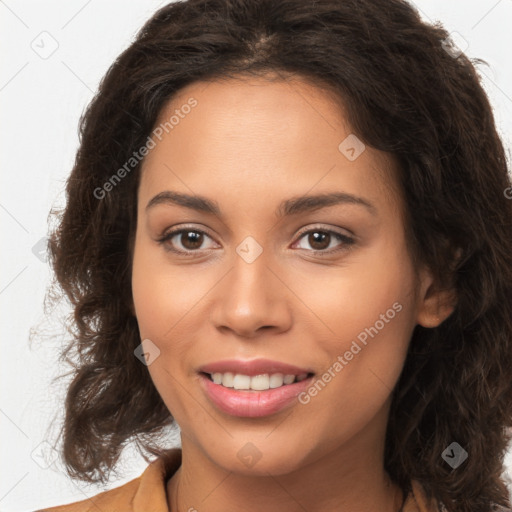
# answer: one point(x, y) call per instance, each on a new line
point(252, 404)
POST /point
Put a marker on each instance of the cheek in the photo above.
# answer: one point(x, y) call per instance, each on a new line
point(162, 300)
point(364, 363)
point(163, 294)
point(368, 309)
point(372, 289)
point(168, 301)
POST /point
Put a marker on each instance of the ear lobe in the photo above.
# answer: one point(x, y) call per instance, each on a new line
point(435, 304)
point(436, 310)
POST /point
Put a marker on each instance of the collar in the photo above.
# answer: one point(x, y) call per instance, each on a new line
point(151, 494)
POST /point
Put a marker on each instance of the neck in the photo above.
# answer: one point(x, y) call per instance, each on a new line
point(277, 493)
point(349, 478)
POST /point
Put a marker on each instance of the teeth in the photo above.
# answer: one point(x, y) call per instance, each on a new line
point(226, 379)
point(217, 378)
point(242, 381)
point(288, 379)
point(257, 382)
point(276, 380)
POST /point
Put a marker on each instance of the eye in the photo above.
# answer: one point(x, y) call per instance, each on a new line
point(321, 240)
point(190, 240)
point(186, 241)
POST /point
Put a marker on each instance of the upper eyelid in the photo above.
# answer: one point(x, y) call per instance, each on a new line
point(174, 231)
point(319, 227)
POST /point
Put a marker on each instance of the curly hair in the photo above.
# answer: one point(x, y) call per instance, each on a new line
point(404, 93)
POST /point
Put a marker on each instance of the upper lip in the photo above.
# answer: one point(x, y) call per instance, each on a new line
point(253, 367)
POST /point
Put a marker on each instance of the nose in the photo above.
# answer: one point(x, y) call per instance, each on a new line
point(253, 298)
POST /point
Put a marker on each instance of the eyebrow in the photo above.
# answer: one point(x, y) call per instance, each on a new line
point(292, 206)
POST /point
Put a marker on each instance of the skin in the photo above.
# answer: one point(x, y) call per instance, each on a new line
point(250, 144)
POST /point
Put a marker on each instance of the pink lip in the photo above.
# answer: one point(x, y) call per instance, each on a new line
point(250, 403)
point(253, 367)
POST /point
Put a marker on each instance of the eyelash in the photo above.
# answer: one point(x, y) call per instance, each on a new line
point(346, 240)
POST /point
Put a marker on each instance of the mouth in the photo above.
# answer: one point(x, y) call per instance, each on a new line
point(254, 388)
point(254, 396)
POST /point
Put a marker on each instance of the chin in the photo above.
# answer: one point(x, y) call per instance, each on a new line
point(258, 458)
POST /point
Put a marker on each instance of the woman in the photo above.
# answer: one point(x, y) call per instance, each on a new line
point(287, 231)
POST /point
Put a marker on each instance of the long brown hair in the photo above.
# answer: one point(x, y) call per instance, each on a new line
point(405, 94)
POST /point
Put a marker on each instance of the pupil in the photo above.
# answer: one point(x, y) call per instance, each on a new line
point(316, 236)
point(192, 239)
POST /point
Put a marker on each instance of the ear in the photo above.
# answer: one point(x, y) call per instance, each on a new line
point(435, 303)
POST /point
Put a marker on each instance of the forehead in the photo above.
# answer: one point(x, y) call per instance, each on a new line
point(261, 137)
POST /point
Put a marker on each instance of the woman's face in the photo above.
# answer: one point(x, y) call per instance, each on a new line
point(325, 286)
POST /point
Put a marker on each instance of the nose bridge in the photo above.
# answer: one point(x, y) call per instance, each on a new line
point(250, 276)
point(252, 296)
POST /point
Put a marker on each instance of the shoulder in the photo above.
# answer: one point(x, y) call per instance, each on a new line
point(119, 497)
point(146, 493)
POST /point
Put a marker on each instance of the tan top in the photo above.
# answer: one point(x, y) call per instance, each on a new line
point(147, 493)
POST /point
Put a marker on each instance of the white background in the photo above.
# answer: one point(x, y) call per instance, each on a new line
point(41, 100)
